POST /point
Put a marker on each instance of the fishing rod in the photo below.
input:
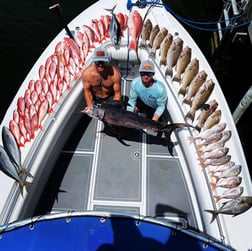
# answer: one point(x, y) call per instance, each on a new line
point(58, 12)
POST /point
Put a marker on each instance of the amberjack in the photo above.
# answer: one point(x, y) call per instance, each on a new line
point(11, 147)
point(233, 207)
point(8, 167)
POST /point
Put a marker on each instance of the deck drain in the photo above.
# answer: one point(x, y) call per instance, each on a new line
point(136, 154)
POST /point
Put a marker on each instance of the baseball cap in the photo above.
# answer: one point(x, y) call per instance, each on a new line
point(100, 54)
point(147, 66)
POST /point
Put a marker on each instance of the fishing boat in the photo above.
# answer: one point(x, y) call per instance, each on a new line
point(67, 185)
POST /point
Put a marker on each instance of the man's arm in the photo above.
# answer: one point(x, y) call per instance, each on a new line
point(132, 98)
point(87, 91)
point(117, 84)
point(161, 102)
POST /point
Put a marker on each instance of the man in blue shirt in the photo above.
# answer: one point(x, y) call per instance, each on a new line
point(147, 95)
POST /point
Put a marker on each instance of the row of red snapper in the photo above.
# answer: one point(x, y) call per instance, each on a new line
point(60, 69)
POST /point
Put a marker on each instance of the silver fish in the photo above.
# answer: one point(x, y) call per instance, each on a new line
point(114, 28)
point(217, 153)
point(229, 172)
point(158, 40)
point(153, 34)
point(233, 207)
point(224, 167)
point(11, 146)
point(206, 112)
point(207, 133)
point(232, 193)
point(12, 149)
point(194, 86)
point(164, 47)
point(229, 182)
point(216, 162)
point(220, 139)
point(173, 55)
point(211, 147)
point(226, 135)
point(210, 139)
point(200, 98)
point(7, 166)
point(183, 60)
point(145, 34)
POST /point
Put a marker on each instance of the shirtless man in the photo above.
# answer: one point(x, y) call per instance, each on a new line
point(101, 81)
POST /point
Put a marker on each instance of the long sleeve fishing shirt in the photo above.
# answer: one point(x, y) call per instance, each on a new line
point(154, 96)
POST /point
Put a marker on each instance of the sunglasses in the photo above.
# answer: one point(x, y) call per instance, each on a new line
point(100, 63)
point(149, 74)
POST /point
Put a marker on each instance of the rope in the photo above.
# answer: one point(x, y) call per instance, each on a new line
point(192, 23)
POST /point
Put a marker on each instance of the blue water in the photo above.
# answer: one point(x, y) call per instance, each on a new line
point(28, 26)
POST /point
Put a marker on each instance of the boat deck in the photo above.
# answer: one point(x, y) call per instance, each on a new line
point(137, 176)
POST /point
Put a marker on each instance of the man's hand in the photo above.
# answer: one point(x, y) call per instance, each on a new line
point(87, 110)
point(155, 117)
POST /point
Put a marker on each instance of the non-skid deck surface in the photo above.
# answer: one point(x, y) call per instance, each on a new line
point(97, 172)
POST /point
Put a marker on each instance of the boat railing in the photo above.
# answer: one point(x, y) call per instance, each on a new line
point(231, 10)
point(103, 220)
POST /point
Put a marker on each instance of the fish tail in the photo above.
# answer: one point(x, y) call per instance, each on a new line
point(23, 170)
point(203, 164)
point(216, 178)
point(211, 173)
point(198, 147)
point(162, 62)
point(168, 71)
point(190, 115)
point(199, 151)
point(132, 45)
point(190, 138)
point(214, 214)
point(23, 183)
point(20, 144)
point(111, 10)
point(21, 187)
point(177, 77)
point(143, 44)
point(153, 53)
point(217, 198)
point(201, 160)
point(187, 101)
point(182, 91)
point(168, 132)
point(213, 185)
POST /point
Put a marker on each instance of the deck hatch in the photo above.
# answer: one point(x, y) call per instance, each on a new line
point(117, 179)
point(166, 190)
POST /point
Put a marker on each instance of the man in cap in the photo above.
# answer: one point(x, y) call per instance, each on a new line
point(147, 95)
point(101, 80)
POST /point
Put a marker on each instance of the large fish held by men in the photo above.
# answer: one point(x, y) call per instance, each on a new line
point(113, 114)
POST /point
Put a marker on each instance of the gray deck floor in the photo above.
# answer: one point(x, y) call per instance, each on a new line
point(97, 172)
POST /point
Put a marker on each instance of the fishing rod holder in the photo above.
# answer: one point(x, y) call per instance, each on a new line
point(139, 3)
